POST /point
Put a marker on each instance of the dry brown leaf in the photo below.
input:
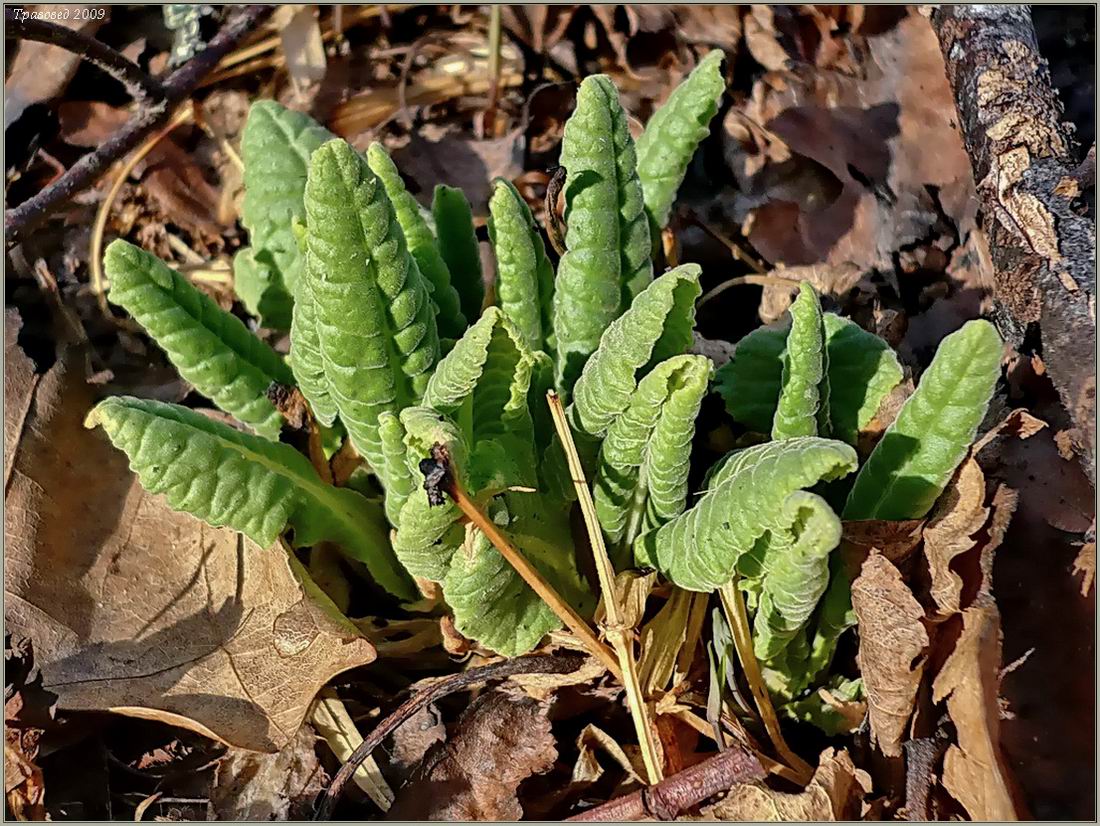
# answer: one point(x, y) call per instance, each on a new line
point(974, 772)
point(762, 40)
point(959, 514)
point(181, 190)
point(1085, 565)
point(89, 123)
point(20, 381)
point(895, 540)
point(500, 741)
point(40, 71)
point(591, 742)
point(541, 26)
point(542, 686)
point(300, 39)
point(280, 786)
point(834, 793)
point(891, 638)
point(138, 609)
point(24, 786)
point(411, 740)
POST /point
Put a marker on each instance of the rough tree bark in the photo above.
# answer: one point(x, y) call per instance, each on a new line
point(1030, 182)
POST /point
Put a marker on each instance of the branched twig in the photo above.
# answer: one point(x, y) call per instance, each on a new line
point(534, 664)
point(140, 86)
point(176, 89)
point(670, 798)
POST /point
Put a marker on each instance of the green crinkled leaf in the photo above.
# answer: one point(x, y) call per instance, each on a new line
point(260, 288)
point(862, 370)
point(245, 482)
point(916, 457)
point(607, 259)
point(641, 478)
point(420, 242)
point(747, 496)
point(525, 276)
point(399, 476)
point(427, 535)
point(794, 559)
point(491, 602)
point(454, 228)
point(803, 406)
point(305, 357)
point(674, 131)
point(276, 146)
point(211, 348)
point(374, 322)
point(814, 709)
point(483, 384)
point(656, 326)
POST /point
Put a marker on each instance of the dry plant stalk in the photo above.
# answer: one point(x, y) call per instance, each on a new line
point(734, 607)
point(616, 631)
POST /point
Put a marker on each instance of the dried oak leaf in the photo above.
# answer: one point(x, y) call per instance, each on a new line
point(141, 610)
point(891, 638)
point(280, 786)
point(973, 771)
point(834, 793)
point(958, 516)
point(500, 741)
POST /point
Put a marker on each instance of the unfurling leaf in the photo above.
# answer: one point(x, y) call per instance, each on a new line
point(454, 229)
point(911, 465)
point(862, 369)
point(245, 482)
point(803, 407)
point(674, 131)
point(276, 146)
point(607, 259)
point(657, 326)
point(641, 479)
point(525, 276)
point(376, 332)
point(211, 348)
point(746, 503)
point(420, 242)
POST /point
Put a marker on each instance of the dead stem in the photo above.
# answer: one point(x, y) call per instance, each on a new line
point(734, 607)
point(755, 280)
point(615, 629)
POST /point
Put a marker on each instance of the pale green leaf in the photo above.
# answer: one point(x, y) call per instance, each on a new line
point(260, 288)
point(803, 406)
point(454, 229)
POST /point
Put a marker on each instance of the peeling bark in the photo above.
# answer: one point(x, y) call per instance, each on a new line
point(1030, 183)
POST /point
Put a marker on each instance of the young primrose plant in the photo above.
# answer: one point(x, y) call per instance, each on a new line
point(814, 385)
point(390, 345)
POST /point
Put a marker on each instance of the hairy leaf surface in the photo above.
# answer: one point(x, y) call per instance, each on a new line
point(306, 360)
point(211, 348)
point(420, 241)
point(862, 370)
point(525, 276)
point(657, 326)
point(911, 465)
point(746, 500)
point(374, 320)
point(641, 479)
point(276, 146)
point(454, 228)
point(674, 131)
point(261, 290)
point(245, 482)
point(803, 407)
point(607, 259)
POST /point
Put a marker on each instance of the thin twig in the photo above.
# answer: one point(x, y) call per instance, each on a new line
point(565, 612)
point(177, 87)
point(672, 797)
point(494, 69)
point(615, 629)
point(742, 280)
point(533, 664)
point(734, 607)
point(738, 252)
point(139, 85)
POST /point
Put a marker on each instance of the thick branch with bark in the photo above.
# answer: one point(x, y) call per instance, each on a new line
point(174, 90)
point(1030, 181)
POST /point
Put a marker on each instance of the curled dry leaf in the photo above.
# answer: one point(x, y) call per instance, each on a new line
point(1085, 565)
point(959, 515)
point(500, 741)
point(891, 638)
point(139, 609)
point(834, 793)
point(973, 771)
point(279, 786)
